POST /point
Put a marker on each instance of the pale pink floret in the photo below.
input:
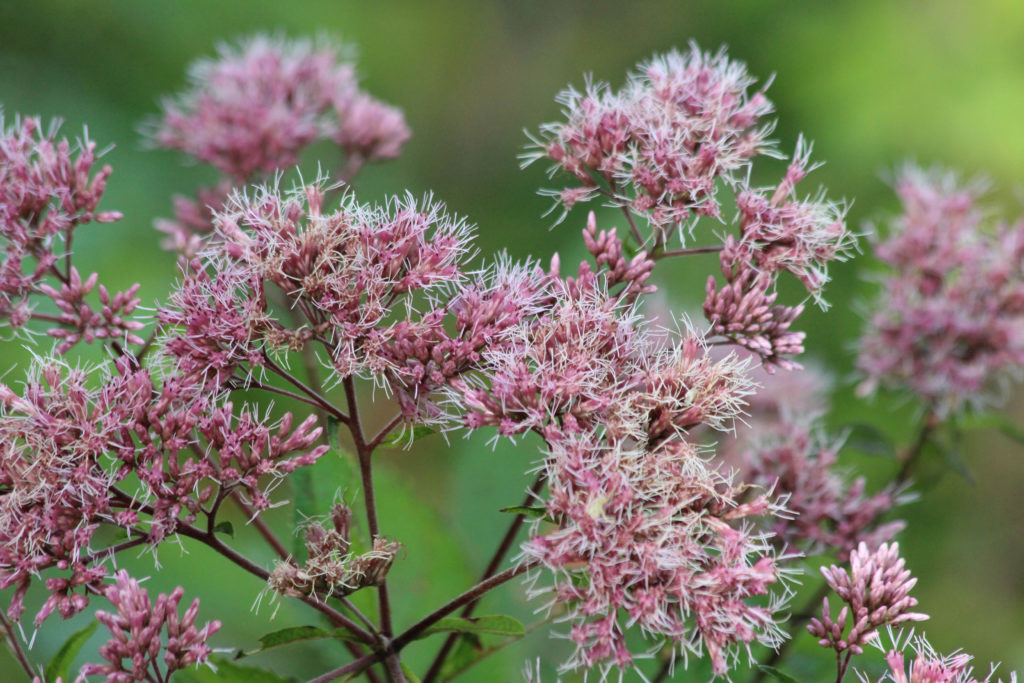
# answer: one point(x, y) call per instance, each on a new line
point(148, 638)
point(682, 121)
point(949, 321)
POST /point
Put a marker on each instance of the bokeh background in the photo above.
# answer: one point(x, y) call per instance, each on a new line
point(872, 82)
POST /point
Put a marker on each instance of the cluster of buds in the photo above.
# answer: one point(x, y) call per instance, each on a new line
point(331, 568)
point(154, 639)
point(48, 188)
point(947, 325)
point(876, 591)
point(744, 310)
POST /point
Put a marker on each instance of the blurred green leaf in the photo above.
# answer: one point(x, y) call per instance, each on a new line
point(295, 634)
point(497, 625)
point(229, 672)
point(531, 512)
point(869, 440)
point(225, 528)
point(60, 665)
point(401, 439)
point(1003, 424)
point(776, 674)
point(409, 675)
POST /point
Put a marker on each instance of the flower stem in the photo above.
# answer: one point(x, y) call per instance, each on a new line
point(365, 456)
point(410, 634)
point(16, 649)
point(496, 559)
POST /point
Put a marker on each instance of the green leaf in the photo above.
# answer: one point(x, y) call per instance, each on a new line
point(409, 675)
point(295, 634)
point(229, 672)
point(315, 488)
point(531, 512)
point(225, 528)
point(954, 459)
point(60, 665)
point(1007, 427)
point(869, 439)
point(497, 625)
point(777, 674)
point(304, 507)
point(402, 439)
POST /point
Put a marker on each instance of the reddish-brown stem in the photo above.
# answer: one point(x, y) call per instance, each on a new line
point(632, 223)
point(365, 456)
point(842, 664)
point(668, 253)
point(147, 345)
point(283, 392)
point(307, 390)
point(336, 617)
point(455, 603)
point(492, 566)
point(46, 317)
point(384, 431)
point(265, 531)
point(353, 667)
point(929, 424)
point(16, 649)
point(410, 634)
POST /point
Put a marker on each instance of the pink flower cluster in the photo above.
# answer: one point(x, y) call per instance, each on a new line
point(682, 122)
point(253, 109)
point(651, 538)
point(154, 639)
point(948, 322)
point(259, 103)
point(48, 188)
point(647, 534)
point(876, 591)
point(794, 461)
point(684, 127)
point(68, 448)
point(376, 287)
point(928, 666)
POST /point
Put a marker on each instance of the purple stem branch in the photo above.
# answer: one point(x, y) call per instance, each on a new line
point(16, 648)
point(365, 456)
point(410, 634)
point(492, 567)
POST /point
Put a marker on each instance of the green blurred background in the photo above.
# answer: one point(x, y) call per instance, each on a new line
point(872, 82)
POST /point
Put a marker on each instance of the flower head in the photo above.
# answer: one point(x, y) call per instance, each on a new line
point(652, 538)
point(949, 322)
